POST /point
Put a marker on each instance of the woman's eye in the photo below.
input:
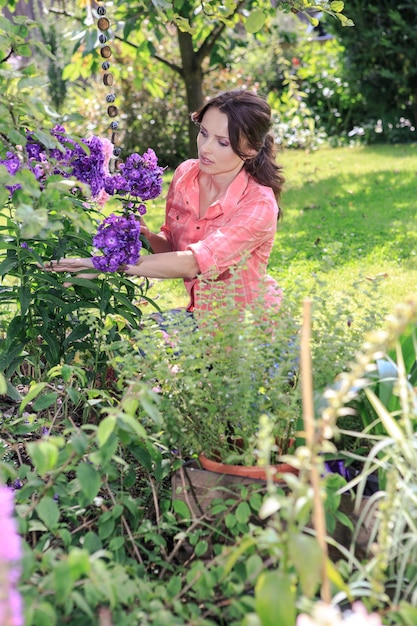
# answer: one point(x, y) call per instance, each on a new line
point(224, 144)
point(203, 132)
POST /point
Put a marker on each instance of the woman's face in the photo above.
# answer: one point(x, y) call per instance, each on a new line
point(214, 150)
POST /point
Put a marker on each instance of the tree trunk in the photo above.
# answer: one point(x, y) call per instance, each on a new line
point(192, 74)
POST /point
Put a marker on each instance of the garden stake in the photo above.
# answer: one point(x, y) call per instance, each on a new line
point(319, 521)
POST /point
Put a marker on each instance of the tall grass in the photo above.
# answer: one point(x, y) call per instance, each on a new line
point(349, 218)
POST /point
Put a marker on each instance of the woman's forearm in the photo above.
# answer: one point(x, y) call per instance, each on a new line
point(165, 265)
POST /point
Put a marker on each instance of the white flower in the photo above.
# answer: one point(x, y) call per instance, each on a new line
point(328, 615)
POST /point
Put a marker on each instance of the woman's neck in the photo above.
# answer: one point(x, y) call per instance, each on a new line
point(218, 182)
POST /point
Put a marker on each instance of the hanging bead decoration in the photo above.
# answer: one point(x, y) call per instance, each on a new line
point(103, 25)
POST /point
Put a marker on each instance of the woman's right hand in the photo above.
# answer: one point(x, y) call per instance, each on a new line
point(144, 229)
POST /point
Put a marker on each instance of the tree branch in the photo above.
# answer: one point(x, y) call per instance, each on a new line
point(209, 42)
point(7, 57)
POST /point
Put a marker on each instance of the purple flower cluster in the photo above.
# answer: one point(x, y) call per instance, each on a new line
point(11, 606)
point(118, 238)
point(137, 180)
point(139, 177)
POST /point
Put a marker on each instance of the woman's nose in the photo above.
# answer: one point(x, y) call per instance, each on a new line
point(206, 145)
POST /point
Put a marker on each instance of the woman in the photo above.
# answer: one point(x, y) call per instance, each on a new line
point(221, 210)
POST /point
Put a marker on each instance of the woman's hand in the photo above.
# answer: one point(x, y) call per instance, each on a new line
point(69, 265)
point(79, 266)
point(143, 228)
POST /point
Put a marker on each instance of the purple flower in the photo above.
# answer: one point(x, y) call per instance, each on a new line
point(118, 237)
point(11, 608)
point(11, 162)
point(89, 168)
point(139, 176)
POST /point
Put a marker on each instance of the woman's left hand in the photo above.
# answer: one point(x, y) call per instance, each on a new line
point(72, 265)
point(69, 265)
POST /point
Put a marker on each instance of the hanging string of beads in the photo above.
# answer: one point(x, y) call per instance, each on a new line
point(103, 25)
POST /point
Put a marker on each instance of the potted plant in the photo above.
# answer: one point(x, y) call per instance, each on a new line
point(215, 376)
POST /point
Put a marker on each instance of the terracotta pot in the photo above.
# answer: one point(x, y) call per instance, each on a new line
point(245, 471)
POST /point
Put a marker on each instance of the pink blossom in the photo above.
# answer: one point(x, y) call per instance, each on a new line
point(107, 152)
point(102, 197)
point(11, 609)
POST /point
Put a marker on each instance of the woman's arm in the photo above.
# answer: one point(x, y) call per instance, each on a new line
point(163, 265)
point(157, 241)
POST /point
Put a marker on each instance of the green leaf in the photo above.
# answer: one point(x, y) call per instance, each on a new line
point(142, 455)
point(174, 586)
point(62, 582)
point(255, 21)
point(79, 563)
point(105, 527)
point(345, 520)
point(44, 455)
point(89, 480)
point(45, 138)
point(132, 425)
point(44, 615)
point(79, 442)
point(337, 6)
point(243, 512)
point(181, 509)
point(3, 385)
point(79, 332)
point(408, 614)
point(306, 555)
point(335, 577)
point(24, 299)
point(45, 401)
point(275, 599)
point(105, 429)
point(48, 512)
point(92, 542)
point(116, 543)
point(80, 601)
point(32, 393)
point(201, 548)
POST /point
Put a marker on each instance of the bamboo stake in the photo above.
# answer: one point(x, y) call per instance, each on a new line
point(319, 521)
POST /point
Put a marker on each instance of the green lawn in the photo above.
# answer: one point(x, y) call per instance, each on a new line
point(349, 219)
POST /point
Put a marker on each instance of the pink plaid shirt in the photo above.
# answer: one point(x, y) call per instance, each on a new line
point(237, 229)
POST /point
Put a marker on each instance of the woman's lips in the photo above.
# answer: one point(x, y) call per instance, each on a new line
point(205, 161)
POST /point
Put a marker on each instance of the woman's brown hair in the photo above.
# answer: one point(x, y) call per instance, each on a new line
point(249, 124)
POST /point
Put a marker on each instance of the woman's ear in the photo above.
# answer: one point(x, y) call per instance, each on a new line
point(250, 154)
